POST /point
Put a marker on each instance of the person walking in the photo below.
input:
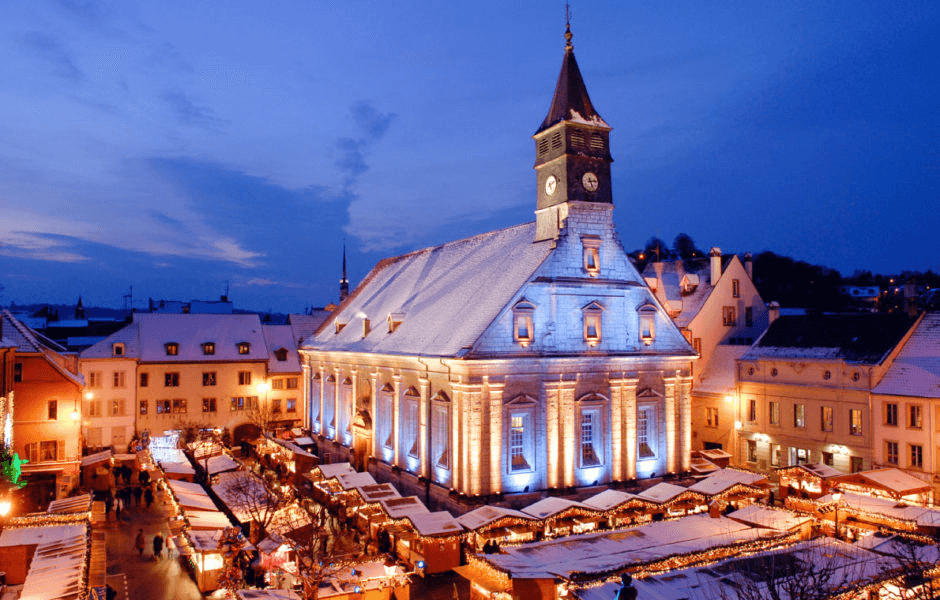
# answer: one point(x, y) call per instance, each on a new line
point(139, 543)
point(148, 496)
point(118, 506)
point(138, 492)
point(108, 505)
point(158, 546)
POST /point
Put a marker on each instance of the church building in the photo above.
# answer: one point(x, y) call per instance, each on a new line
point(526, 359)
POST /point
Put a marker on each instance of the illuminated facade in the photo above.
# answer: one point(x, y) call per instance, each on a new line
point(45, 406)
point(524, 359)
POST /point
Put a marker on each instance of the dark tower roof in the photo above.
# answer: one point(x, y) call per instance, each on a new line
point(571, 94)
point(344, 282)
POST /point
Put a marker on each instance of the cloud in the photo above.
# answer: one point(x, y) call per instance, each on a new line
point(40, 246)
point(188, 113)
point(54, 53)
point(352, 151)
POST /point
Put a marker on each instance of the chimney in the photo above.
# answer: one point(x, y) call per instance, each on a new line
point(773, 312)
point(715, 254)
point(366, 327)
point(749, 265)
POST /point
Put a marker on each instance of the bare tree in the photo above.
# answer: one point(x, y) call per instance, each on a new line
point(322, 548)
point(252, 501)
point(917, 569)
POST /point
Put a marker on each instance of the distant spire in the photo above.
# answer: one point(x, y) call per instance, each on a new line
point(344, 282)
point(568, 35)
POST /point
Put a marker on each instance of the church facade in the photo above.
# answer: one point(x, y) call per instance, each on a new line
point(526, 359)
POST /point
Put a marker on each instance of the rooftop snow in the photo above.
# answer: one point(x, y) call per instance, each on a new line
point(436, 523)
point(771, 518)
point(277, 337)
point(552, 505)
point(717, 377)
point(483, 516)
point(661, 492)
point(397, 508)
point(448, 295)
point(608, 499)
point(894, 480)
point(191, 331)
point(334, 469)
point(916, 369)
point(723, 479)
point(57, 570)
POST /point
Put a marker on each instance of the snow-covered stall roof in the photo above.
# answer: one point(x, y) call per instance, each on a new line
point(820, 470)
point(483, 516)
point(191, 496)
point(721, 480)
point(446, 295)
point(334, 469)
point(397, 508)
point(922, 516)
point(76, 504)
point(270, 594)
point(608, 499)
point(610, 551)
point(349, 481)
point(662, 492)
point(242, 492)
point(547, 507)
point(891, 480)
point(379, 491)
point(98, 457)
point(208, 539)
point(740, 577)
point(177, 468)
point(368, 576)
point(435, 523)
point(916, 369)
point(57, 570)
point(207, 520)
point(780, 519)
point(221, 464)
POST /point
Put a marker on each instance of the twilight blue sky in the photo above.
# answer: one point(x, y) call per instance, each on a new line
point(176, 146)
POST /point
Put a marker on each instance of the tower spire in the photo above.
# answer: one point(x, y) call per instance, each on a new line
point(344, 282)
point(568, 35)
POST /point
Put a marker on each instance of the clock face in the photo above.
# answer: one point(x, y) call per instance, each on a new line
point(589, 181)
point(550, 184)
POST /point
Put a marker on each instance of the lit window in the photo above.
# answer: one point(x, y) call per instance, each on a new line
point(118, 379)
point(48, 451)
point(179, 405)
point(172, 348)
point(291, 405)
point(208, 405)
point(94, 378)
point(776, 454)
point(208, 378)
point(520, 416)
point(752, 410)
point(646, 432)
point(592, 323)
point(411, 419)
point(647, 318)
point(774, 407)
point(826, 418)
point(208, 348)
point(914, 417)
point(589, 453)
point(735, 288)
point(711, 416)
point(143, 407)
point(799, 456)
point(386, 398)
point(592, 257)
point(799, 415)
point(917, 456)
point(244, 347)
point(440, 426)
point(517, 459)
point(117, 408)
point(751, 451)
point(523, 327)
point(729, 316)
point(53, 410)
point(855, 421)
point(394, 321)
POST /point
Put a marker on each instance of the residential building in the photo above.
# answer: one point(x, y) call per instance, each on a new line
point(193, 370)
point(715, 304)
point(525, 359)
point(45, 399)
point(906, 404)
point(110, 398)
point(285, 388)
point(804, 389)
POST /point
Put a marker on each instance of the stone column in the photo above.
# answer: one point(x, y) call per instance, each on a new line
point(552, 434)
point(308, 424)
point(456, 440)
point(669, 403)
point(337, 401)
point(396, 420)
point(423, 427)
point(352, 405)
point(570, 432)
point(623, 430)
point(374, 413)
point(685, 423)
point(495, 404)
point(474, 422)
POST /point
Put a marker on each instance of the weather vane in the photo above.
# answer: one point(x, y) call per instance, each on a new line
point(568, 36)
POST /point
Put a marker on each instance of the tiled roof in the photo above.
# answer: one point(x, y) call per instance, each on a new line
point(863, 338)
point(304, 326)
point(277, 337)
point(916, 369)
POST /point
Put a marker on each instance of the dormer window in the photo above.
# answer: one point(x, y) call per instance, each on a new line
point(208, 348)
point(281, 354)
point(647, 323)
point(593, 323)
point(523, 326)
point(172, 348)
point(339, 326)
point(591, 245)
point(117, 349)
point(394, 320)
point(244, 347)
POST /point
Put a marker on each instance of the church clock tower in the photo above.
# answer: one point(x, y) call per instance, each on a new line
point(572, 151)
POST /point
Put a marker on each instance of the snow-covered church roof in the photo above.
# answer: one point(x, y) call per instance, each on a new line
point(916, 370)
point(442, 298)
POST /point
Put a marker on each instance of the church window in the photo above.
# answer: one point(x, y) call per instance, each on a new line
point(647, 322)
point(522, 323)
point(520, 434)
point(385, 411)
point(592, 323)
point(412, 442)
point(329, 407)
point(645, 432)
point(591, 245)
point(346, 408)
point(591, 430)
point(315, 401)
point(440, 428)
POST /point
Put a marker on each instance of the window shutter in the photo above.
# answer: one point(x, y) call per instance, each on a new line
point(32, 452)
point(60, 450)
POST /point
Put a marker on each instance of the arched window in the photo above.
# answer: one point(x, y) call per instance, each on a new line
point(315, 390)
point(646, 316)
point(409, 426)
point(329, 407)
point(519, 417)
point(523, 326)
point(593, 323)
point(440, 431)
point(386, 417)
point(591, 430)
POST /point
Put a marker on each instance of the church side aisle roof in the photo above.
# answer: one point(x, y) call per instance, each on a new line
point(444, 297)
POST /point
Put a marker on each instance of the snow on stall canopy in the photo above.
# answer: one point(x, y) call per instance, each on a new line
point(379, 491)
point(724, 479)
point(58, 567)
point(448, 295)
point(924, 517)
point(916, 369)
point(483, 516)
point(191, 496)
point(552, 505)
point(239, 491)
point(436, 523)
point(399, 508)
point(333, 469)
point(661, 492)
point(726, 578)
point(608, 499)
point(610, 551)
point(220, 464)
point(894, 481)
point(349, 481)
point(780, 519)
point(76, 504)
point(266, 595)
point(206, 520)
